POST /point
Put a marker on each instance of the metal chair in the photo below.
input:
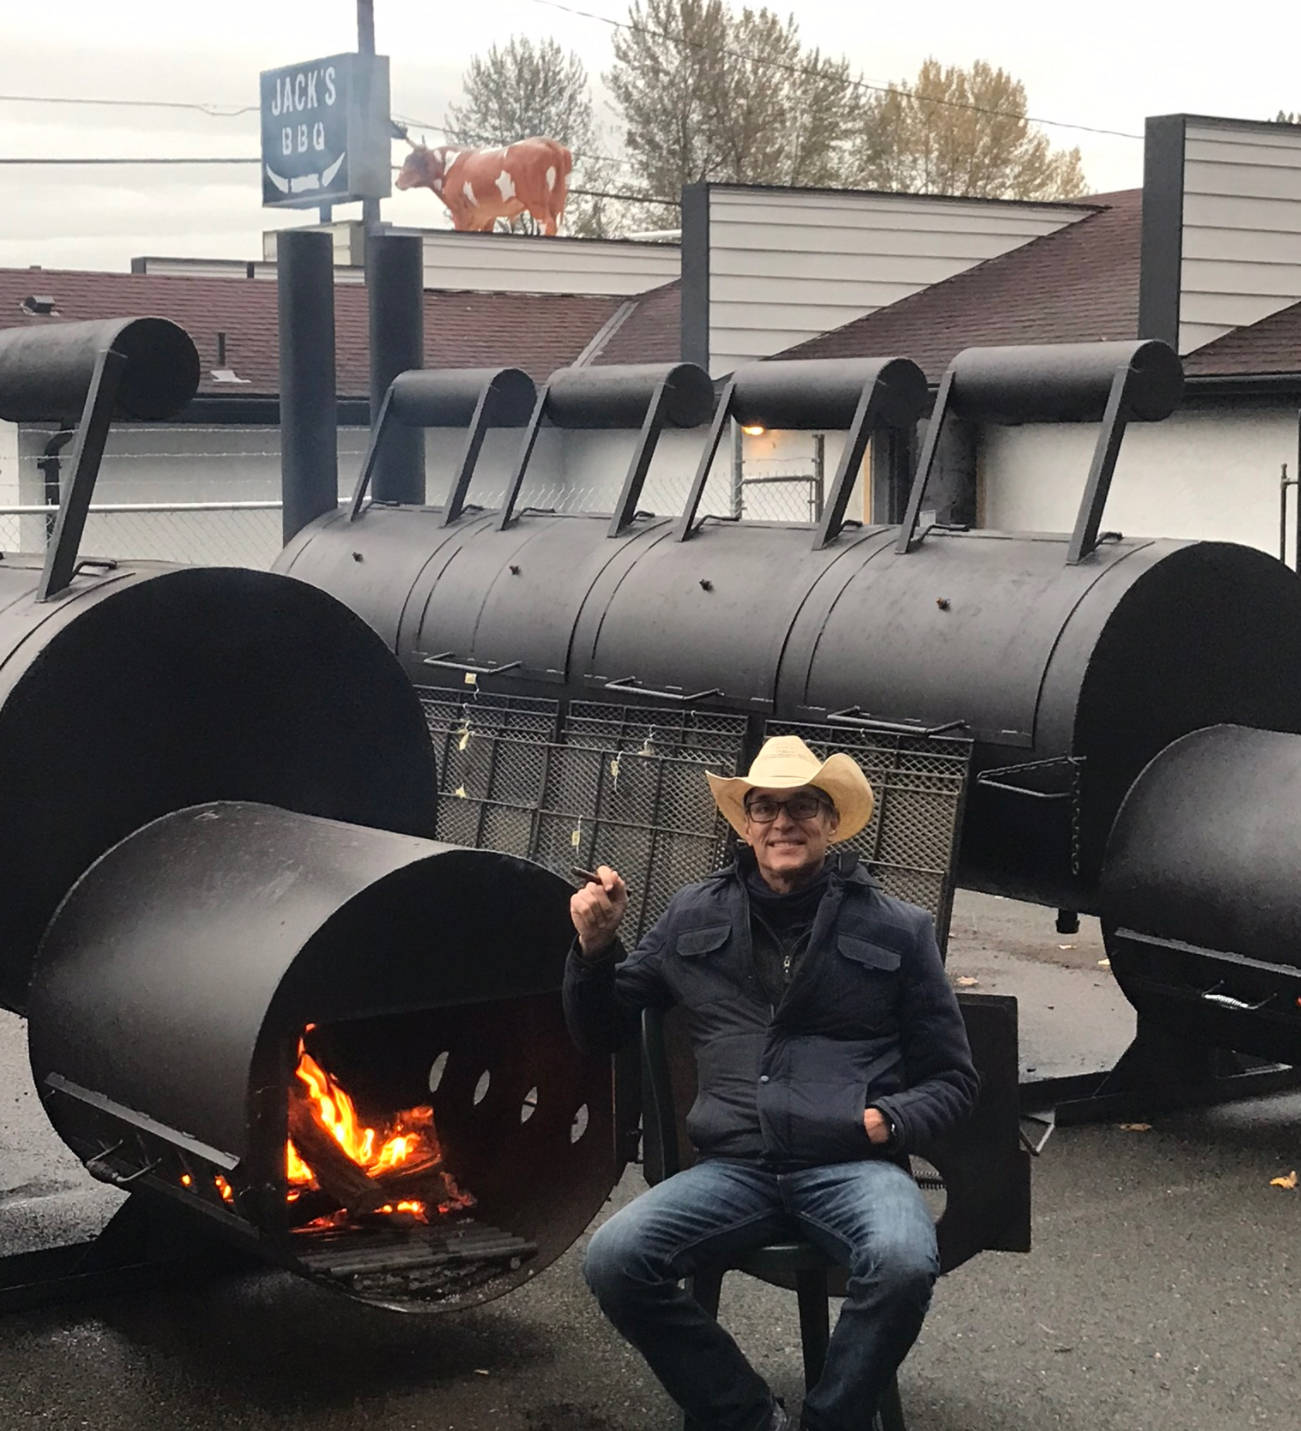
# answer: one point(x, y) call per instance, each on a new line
point(983, 1168)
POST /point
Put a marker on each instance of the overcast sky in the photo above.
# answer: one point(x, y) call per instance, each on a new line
point(1108, 65)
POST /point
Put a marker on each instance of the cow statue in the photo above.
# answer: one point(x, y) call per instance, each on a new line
point(480, 186)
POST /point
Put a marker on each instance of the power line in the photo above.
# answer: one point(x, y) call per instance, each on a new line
point(213, 111)
point(810, 73)
point(34, 160)
point(198, 159)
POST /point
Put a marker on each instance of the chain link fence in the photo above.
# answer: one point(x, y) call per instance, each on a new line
point(209, 494)
point(202, 494)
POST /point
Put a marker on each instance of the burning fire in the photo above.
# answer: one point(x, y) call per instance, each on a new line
point(405, 1151)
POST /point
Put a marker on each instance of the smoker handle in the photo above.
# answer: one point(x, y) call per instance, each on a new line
point(446, 661)
point(850, 716)
point(631, 685)
point(983, 778)
point(1022, 790)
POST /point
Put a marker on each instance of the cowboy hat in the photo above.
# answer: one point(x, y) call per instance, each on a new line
point(786, 763)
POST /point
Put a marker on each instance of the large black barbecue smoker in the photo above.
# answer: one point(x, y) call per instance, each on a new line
point(1116, 715)
point(261, 1001)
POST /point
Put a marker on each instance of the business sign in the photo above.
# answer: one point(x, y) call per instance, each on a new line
point(325, 132)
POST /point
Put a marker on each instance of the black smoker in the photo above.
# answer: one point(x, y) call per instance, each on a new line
point(217, 788)
point(1072, 660)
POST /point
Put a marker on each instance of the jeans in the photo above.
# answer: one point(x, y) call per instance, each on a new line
point(868, 1216)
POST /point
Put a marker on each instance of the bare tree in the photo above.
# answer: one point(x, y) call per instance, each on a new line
point(959, 131)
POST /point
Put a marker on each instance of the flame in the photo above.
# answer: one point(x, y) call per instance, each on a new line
point(224, 1188)
point(410, 1140)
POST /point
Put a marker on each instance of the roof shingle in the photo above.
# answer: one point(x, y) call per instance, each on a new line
point(1273, 345)
point(1078, 284)
point(537, 332)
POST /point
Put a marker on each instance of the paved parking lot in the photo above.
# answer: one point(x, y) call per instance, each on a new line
point(1161, 1292)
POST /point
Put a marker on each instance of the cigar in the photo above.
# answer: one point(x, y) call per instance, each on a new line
point(587, 876)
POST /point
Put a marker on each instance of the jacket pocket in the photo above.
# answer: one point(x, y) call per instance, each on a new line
point(870, 978)
point(692, 943)
point(869, 955)
point(698, 973)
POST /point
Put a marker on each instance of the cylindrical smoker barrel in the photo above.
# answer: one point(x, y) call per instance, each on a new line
point(618, 395)
point(147, 688)
point(825, 392)
point(1070, 678)
point(1064, 382)
point(178, 976)
point(1199, 896)
point(46, 372)
point(439, 397)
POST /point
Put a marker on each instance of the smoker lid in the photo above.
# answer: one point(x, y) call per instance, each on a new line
point(158, 689)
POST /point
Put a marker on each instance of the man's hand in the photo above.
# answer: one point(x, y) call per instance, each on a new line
point(877, 1125)
point(596, 910)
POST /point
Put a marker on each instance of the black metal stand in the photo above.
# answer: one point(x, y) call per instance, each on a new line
point(1158, 1072)
point(92, 437)
point(145, 1243)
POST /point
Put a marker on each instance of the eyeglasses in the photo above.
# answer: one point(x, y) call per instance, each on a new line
point(763, 809)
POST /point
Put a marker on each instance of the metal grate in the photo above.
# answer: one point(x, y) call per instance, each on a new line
point(470, 709)
point(655, 730)
point(416, 1264)
point(649, 815)
point(920, 786)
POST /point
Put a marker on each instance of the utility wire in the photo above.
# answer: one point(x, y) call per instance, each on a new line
point(810, 73)
point(216, 111)
point(213, 111)
point(127, 159)
point(27, 159)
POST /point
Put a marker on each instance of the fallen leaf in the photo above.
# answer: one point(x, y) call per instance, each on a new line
point(1136, 1127)
point(1288, 1182)
point(965, 981)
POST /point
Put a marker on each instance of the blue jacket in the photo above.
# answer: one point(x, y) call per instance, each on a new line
point(868, 1018)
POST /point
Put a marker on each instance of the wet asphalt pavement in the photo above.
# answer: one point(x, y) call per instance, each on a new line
point(1161, 1291)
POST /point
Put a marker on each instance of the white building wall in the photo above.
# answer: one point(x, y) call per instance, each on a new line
point(1241, 252)
point(520, 263)
point(171, 467)
point(596, 463)
point(1210, 474)
point(788, 264)
point(495, 468)
point(9, 463)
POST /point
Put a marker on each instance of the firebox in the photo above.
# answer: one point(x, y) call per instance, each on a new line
point(343, 1047)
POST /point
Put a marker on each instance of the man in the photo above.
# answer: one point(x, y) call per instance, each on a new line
point(828, 1043)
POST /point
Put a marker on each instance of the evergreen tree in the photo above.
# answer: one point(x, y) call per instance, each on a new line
point(708, 93)
point(521, 89)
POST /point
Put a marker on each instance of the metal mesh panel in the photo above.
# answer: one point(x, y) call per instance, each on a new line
point(920, 786)
point(649, 815)
point(654, 730)
point(468, 710)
